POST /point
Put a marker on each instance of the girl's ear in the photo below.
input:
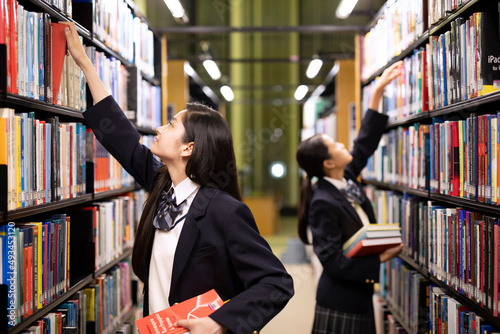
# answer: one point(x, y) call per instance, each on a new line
point(328, 164)
point(187, 150)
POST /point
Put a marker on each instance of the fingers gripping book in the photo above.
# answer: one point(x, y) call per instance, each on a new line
point(163, 321)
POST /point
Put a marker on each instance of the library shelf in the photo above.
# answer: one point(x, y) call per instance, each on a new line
point(443, 23)
point(113, 263)
point(60, 16)
point(405, 53)
point(152, 80)
point(114, 192)
point(46, 207)
point(466, 203)
point(464, 300)
point(467, 106)
point(395, 313)
point(145, 131)
point(408, 120)
point(16, 101)
point(393, 187)
point(49, 307)
point(126, 318)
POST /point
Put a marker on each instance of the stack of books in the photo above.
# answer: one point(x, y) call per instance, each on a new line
point(372, 239)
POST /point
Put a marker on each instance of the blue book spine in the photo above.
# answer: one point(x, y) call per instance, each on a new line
point(30, 55)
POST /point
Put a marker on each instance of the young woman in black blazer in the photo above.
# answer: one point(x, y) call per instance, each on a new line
point(212, 240)
point(345, 289)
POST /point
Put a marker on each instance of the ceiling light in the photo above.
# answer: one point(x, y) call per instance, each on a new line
point(301, 92)
point(227, 92)
point(175, 8)
point(277, 170)
point(314, 67)
point(188, 69)
point(208, 92)
point(212, 69)
point(345, 8)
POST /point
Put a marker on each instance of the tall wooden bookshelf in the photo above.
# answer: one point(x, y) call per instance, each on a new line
point(83, 16)
point(459, 110)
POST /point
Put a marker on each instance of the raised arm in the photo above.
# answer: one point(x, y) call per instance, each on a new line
point(108, 122)
point(373, 124)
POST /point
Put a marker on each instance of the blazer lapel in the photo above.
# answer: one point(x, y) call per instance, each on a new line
point(341, 198)
point(189, 232)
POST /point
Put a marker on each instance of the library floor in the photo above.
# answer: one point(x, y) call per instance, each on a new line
point(297, 316)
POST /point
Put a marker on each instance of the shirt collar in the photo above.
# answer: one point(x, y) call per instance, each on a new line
point(184, 189)
point(339, 184)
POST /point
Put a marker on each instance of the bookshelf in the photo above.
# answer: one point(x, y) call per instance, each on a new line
point(460, 108)
point(146, 72)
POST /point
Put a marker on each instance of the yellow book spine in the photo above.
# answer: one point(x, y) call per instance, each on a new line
point(3, 141)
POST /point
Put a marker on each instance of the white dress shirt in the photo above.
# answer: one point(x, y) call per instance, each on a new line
point(340, 185)
point(164, 246)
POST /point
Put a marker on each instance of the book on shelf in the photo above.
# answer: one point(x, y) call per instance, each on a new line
point(372, 239)
point(163, 321)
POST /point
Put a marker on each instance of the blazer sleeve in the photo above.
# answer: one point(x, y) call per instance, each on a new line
point(267, 285)
point(115, 132)
point(370, 132)
point(327, 244)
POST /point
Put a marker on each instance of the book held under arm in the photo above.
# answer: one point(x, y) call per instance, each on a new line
point(194, 308)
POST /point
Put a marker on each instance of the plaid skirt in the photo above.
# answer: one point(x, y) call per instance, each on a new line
point(327, 321)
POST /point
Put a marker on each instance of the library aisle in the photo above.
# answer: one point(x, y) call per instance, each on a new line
point(298, 315)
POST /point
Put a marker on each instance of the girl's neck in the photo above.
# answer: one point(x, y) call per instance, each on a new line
point(335, 173)
point(177, 175)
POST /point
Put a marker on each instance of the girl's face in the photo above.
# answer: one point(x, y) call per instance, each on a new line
point(168, 144)
point(339, 155)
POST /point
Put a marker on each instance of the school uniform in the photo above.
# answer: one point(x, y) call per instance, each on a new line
point(218, 244)
point(345, 288)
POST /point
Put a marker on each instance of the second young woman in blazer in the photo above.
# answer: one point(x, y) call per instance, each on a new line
point(211, 241)
point(345, 288)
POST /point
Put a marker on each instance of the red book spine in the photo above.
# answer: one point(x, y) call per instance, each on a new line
point(14, 66)
point(455, 181)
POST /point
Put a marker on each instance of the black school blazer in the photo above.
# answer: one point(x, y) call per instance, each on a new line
point(219, 246)
point(345, 285)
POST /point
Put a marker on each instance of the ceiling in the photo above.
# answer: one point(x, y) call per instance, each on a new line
point(274, 37)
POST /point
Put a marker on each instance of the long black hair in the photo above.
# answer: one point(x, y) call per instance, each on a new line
point(310, 155)
point(212, 163)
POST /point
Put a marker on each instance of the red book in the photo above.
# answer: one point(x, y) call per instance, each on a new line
point(373, 246)
point(194, 308)
point(58, 40)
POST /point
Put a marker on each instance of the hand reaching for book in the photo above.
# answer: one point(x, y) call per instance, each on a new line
point(390, 253)
point(387, 76)
point(75, 48)
point(202, 326)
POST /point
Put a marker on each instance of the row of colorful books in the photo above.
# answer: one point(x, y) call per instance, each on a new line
point(113, 225)
point(401, 23)
point(407, 94)
point(115, 24)
point(112, 73)
point(99, 308)
point(42, 260)
point(440, 9)
point(45, 158)
point(35, 263)
point(422, 306)
point(457, 158)
point(455, 66)
point(148, 106)
point(458, 246)
point(36, 62)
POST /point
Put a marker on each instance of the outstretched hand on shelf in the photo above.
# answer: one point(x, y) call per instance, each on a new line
point(390, 253)
point(75, 48)
point(381, 82)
